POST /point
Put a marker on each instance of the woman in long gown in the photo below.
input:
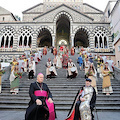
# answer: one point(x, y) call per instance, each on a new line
point(14, 63)
point(92, 74)
point(59, 61)
point(45, 51)
point(72, 51)
point(106, 85)
point(65, 60)
point(14, 81)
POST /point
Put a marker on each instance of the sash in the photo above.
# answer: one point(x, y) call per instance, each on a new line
point(49, 105)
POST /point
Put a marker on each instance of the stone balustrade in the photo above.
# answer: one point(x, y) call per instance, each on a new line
point(7, 73)
point(101, 50)
point(6, 49)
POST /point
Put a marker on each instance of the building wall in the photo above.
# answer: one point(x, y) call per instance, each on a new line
point(6, 18)
point(117, 53)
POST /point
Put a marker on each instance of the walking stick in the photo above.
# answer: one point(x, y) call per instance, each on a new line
point(96, 113)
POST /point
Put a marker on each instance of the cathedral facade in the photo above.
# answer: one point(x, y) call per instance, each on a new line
point(55, 23)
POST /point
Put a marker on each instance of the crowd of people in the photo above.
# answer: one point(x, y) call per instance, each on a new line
point(41, 97)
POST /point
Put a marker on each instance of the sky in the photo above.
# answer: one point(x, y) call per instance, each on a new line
point(18, 6)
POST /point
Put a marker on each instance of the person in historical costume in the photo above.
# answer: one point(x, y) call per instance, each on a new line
point(32, 70)
point(25, 64)
point(84, 103)
point(110, 64)
point(55, 61)
point(92, 74)
point(72, 70)
point(80, 61)
point(54, 51)
point(1, 73)
point(39, 55)
point(87, 64)
point(41, 106)
point(36, 58)
point(20, 64)
point(106, 85)
point(14, 63)
point(91, 58)
point(14, 81)
point(101, 66)
point(45, 50)
point(72, 51)
point(98, 64)
point(65, 60)
point(59, 61)
point(50, 70)
point(85, 55)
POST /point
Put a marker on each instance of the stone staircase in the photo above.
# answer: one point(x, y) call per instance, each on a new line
point(63, 92)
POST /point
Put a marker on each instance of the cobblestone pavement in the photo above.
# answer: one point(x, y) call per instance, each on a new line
point(61, 115)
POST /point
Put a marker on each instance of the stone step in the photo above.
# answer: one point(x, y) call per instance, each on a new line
point(10, 107)
point(60, 103)
point(15, 98)
point(61, 95)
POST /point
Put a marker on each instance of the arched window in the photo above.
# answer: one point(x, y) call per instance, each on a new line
point(96, 42)
point(100, 40)
point(7, 40)
point(20, 41)
point(29, 42)
point(11, 42)
point(25, 41)
point(105, 42)
point(2, 42)
point(7, 37)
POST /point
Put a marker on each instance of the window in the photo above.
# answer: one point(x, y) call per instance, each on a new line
point(3, 18)
point(108, 13)
point(119, 48)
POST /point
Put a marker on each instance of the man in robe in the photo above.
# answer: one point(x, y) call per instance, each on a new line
point(84, 103)
point(41, 106)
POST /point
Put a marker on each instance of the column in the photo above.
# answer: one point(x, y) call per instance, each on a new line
point(103, 42)
point(4, 41)
point(34, 42)
point(98, 42)
point(27, 40)
point(53, 40)
point(9, 42)
point(72, 41)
